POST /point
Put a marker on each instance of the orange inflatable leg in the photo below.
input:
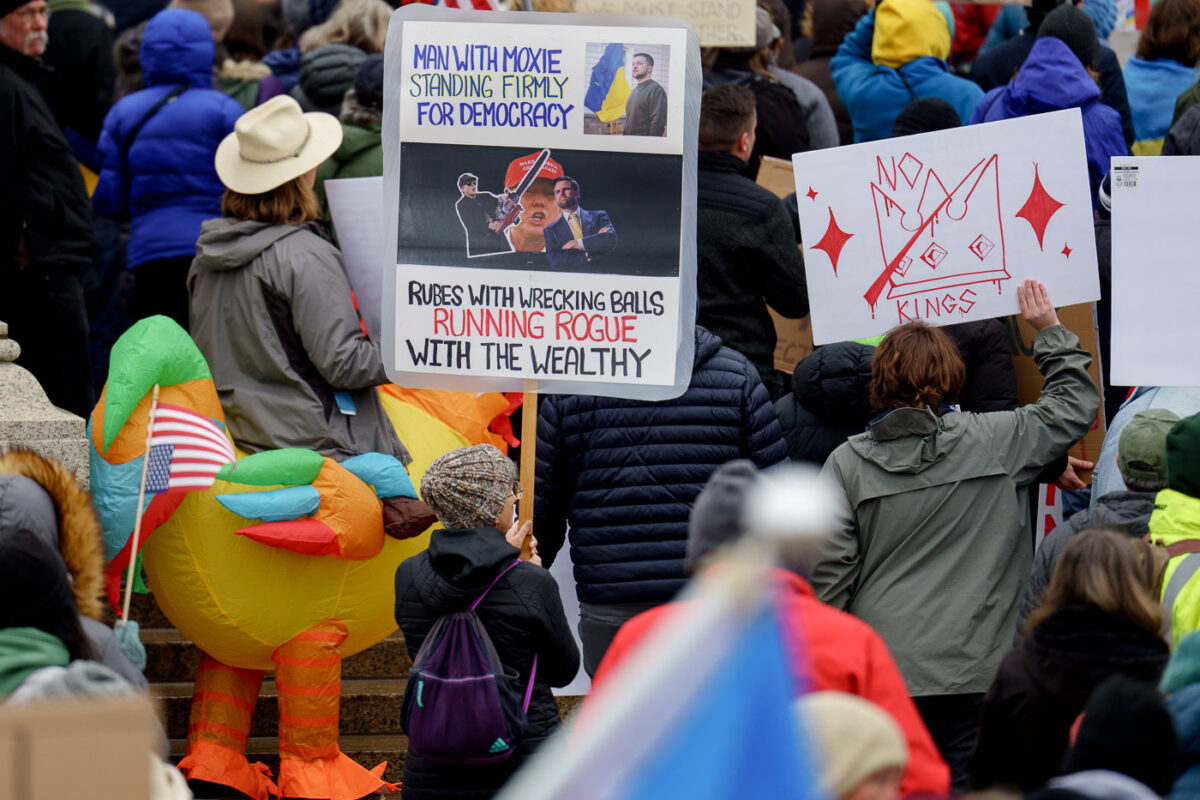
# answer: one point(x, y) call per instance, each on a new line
point(222, 705)
point(308, 677)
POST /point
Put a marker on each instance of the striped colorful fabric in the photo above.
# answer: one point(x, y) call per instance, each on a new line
point(476, 5)
point(187, 450)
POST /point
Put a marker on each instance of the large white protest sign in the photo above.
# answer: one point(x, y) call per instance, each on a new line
point(943, 226)
point(718, 23)
point(356, 206)
point(1155, 281)
point(530, 246)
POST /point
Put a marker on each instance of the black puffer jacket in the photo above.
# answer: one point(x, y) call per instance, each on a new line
point(522, 614)
point(1043, 685)
point(991, 383)
point(624, 473)
point(830, 400)
point(748, 258)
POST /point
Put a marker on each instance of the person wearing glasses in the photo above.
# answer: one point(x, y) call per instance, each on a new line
point(474, 493)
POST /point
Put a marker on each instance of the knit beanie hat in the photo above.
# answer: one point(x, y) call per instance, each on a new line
point(1073, 28)
point(716, 517)
point(368, 83)
point(1103, 14)
point(1183, 456)
point(1126, 729)
point(855, 737)
point(1184, 667)
point(9, 6)
point(925, 115)
point(468, 488)
point(219, 13)
point(1142, 449)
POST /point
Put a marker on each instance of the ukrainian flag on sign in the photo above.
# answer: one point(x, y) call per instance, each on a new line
point(608, 89)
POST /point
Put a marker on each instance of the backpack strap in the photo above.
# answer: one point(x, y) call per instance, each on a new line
point(533, 670)
point(1177, 548)
point(169, 97)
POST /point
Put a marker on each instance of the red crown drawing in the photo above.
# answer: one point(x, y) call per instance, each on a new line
point(935, 235)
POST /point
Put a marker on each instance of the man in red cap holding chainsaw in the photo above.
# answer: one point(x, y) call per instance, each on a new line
point(538, 209)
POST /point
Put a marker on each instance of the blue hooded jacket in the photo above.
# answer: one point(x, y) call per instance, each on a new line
point(166, 183)
point(1153, 86)
point(1051, 79)
point(875, 94)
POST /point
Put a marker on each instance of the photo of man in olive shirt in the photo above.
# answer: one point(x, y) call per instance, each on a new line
point(646, 108)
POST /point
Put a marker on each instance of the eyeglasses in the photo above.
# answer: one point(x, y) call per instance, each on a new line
point(517, 490)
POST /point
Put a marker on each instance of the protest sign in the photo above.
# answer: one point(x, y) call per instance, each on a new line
point(718, 23)
point(943, 226)
point(528, 246)
point(1080, 320)
point(356, 206)
point(1154, 278)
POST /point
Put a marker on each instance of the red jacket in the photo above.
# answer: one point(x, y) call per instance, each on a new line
point(831, 650)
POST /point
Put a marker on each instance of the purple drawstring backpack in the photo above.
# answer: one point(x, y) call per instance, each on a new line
point(461, 703)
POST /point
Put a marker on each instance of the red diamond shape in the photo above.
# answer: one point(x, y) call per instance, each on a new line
point(1039, 208)
point(833, 241)
point(934, 255)
point(1066, 251)
point(811, 194)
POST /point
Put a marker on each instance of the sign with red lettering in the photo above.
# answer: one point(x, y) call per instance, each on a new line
point(536, 166)
point(943, 226)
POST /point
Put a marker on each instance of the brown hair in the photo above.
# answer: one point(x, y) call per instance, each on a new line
point(293, 203)
point(726, 112)
point(1105, 568)
point(916, 366)
point(358, 23)
point(1172, 31)
point(244, 39)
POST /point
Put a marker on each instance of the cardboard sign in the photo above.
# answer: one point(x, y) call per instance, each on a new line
point(531, 245)
point(1154, 278)
point(718, 23)
point(81, 748)
point(1079, 320)
point(943, 226)
point(356, 205)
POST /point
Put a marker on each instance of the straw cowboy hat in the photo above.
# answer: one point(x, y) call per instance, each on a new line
point(274, 143)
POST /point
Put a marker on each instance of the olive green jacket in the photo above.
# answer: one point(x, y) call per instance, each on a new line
point(933, 544)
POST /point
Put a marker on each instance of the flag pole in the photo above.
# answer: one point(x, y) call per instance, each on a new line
point(137, 520)
point(529, 415)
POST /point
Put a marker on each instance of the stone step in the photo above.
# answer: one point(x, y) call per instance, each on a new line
point(367, 750)
point(368, 706)
point(144, 611)
point(171, 657)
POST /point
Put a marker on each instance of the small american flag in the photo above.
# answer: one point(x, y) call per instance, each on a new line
point(187, 450)
point(476, 5)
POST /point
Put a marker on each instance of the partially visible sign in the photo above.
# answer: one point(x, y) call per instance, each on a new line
point(793, 339)
point(718, 23)
point(1079, 320)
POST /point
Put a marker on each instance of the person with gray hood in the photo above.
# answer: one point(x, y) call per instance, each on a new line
point(933, 547)
point(270, 301)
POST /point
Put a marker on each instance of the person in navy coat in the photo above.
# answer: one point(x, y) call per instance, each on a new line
point(578, 235)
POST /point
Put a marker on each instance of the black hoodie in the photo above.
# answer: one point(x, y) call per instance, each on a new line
point(522, 614)
point(830, 400)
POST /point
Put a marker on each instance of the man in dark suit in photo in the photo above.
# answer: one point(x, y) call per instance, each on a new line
point(578, 235)
point(477, 213)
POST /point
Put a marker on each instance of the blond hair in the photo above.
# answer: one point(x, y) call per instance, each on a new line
point(358, 23)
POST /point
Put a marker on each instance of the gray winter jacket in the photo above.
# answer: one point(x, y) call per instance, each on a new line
point(1127, 510)
point(271, 312)
point(822, 127)
point(932, 546)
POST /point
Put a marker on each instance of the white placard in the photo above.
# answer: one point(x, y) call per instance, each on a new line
point(592, 292)
point(943, 226)
point(356, 206)
point(1155, 281)
point(719, 23)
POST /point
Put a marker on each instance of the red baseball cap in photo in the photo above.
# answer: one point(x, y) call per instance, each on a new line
point(518, 168)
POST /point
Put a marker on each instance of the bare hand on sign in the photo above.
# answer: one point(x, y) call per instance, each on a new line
point(1035, 305)
point(517, 533)
point(1069, 480)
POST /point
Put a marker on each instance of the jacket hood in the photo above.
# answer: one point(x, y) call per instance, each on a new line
point(1103, 784)
point(831, 21)
point(23, 651)
point(178, 48)
point(834, 382)
point(325, 74)
point(227, 244)
point(909, 440)
point(1129, 510)
point(1096, 635)
point(1051, 78)
point(41, 497)
point(464, 561)
point(908, 29)
point(1176, 517)
point(355, 140)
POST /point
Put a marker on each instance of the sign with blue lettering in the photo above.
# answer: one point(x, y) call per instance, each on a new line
point(541, 168)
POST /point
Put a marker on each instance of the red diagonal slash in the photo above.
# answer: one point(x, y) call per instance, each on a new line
point(876, 288)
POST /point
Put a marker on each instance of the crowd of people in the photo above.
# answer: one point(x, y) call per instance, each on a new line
point(172, 161)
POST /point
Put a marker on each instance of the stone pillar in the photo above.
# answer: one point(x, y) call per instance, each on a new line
point(27, 419)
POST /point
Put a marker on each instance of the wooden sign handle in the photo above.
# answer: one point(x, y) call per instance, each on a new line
point(529, 416)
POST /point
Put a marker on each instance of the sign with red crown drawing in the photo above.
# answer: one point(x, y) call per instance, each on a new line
point(942, 226)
